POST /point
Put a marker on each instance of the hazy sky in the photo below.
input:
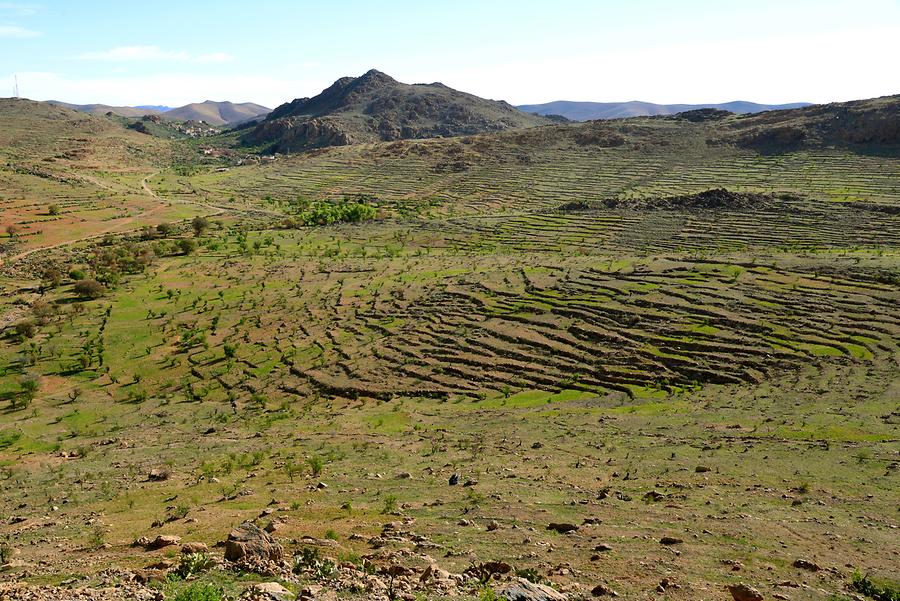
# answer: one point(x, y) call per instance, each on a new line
point(164, 52)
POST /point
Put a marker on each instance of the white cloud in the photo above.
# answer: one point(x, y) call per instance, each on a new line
point(214, 57)
point(152, 53)
point(16, 32)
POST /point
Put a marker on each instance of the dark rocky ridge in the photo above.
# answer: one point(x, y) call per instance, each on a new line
point(375, 107)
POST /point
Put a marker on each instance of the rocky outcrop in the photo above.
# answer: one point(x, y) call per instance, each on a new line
point(375, 107)
point(523, 590)
point(249, 542)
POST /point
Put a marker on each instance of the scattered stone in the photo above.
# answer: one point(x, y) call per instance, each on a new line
point(537, 445)
point(487, 570)
point(268, 591)
point(272, 526)
point(404, 476)
point(742, 592)
point(523, 590)
point(188, 548)
point(158, 474)
point(249, 541)
point(150, 576)
point(601, 590)
point(603, 548)
point(562, 528)
point(803, 564)
point(163, 540)
point(470, 482)
point(670, 540)
point(700, 469)
point(454, 480)
point(464, 522)
point(666, 584)
point(493, 525)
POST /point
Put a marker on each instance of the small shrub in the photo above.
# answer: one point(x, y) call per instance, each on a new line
point(309, 560)
point(26, 328)
point(5, 554)
point(315, 464)
point(390, 504)
point(194, 563)
point(98, 538)
point(880, 591)
point(200, 225)
point(199, 591)
point(187, 246)
point(88, 289)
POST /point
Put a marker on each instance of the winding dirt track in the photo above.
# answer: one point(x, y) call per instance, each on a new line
point(145, 187)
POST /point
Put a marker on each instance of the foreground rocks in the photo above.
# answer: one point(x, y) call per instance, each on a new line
point(523, 590)
point(248, 542)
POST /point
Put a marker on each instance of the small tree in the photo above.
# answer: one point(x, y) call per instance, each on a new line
point(29, 384)
point(88, 289)
point(53, 277)
point(26, 328)
point(187, 246)
point(200, 225)
point(164, 230)
point(53, 209)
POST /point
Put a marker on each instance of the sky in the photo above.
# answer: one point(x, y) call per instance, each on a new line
point(269, 52)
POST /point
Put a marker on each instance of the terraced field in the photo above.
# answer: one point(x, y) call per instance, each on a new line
point(727, 378)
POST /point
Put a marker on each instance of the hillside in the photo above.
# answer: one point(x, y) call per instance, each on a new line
point(214, 113)
point(217, 113)
point(647, 358)
point(586, 111)
point(102, 109)
point(66, 175)
point(375, 107)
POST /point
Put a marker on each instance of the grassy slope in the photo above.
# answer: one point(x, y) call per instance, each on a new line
point(90, 167)
point(455, 338)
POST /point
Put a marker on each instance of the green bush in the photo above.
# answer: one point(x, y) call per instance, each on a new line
point(194, 563)
point(88, 289)
point(199, 591)
point(880, 591)
point(326, 213)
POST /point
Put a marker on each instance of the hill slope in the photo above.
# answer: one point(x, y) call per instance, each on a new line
point(214, 113)
point(217, 113)
point(102, 109)
point(586, 111)
point(375, 107)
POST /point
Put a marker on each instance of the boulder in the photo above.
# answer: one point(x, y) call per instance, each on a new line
point(188, 548)
point(804, 564)
point(158, 474)
point(601, 590)
point(523, 590)
point(742, 592)
point(251, 542)
point(268, 591)
point(670, 540)
point(163, 540)
point(562, 528)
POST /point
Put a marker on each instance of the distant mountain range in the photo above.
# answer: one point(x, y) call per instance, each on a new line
point(586, 111)
point(214, 113)
point(375, 107)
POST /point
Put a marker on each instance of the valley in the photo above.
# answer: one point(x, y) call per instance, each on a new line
point(654, 358)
